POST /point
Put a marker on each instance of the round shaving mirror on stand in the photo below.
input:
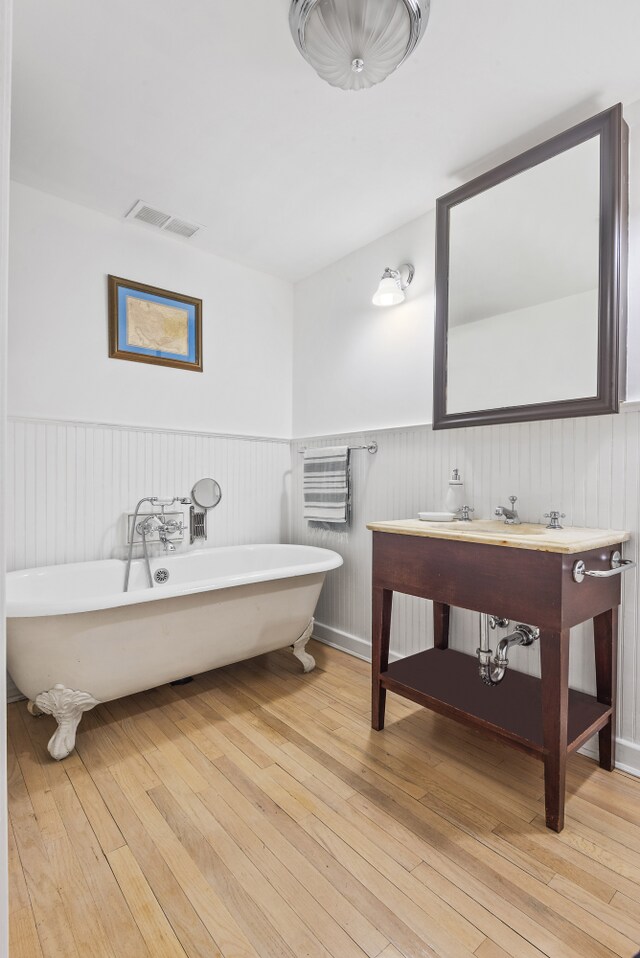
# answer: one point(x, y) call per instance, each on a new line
point(206, 493)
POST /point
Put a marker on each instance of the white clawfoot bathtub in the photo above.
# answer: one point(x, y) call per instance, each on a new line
point(75, 639)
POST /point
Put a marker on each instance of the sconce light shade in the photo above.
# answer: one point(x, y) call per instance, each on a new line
point(390, 291)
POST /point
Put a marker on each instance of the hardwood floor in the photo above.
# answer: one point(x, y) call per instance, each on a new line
point(253, 812)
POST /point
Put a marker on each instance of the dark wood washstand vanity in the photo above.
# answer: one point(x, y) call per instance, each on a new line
point(525, 575)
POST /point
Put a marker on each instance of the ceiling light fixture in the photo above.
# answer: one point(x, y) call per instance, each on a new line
point(390, 291)
point(353, 44)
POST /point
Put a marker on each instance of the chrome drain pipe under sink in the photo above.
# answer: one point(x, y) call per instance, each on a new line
point(492, 669)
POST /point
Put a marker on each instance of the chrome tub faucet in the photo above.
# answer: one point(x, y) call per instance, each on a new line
point(168, 528)
point(155, 522)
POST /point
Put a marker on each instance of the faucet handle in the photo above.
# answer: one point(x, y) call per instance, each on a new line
point(464, 513)
point(174, 525)
point(554, 519)
point(513, 500)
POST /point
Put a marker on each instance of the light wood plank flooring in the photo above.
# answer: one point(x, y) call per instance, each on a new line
point(254, 813)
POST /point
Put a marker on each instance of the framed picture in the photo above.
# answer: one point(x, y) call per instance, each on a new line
point(151, 325)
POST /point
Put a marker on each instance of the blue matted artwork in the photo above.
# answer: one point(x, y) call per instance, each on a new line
point(152, 325)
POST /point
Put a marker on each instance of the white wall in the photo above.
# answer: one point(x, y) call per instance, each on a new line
point(357, 366)
point(5, 114)
point(59, 368)
point(72, 484)
point(72, 480)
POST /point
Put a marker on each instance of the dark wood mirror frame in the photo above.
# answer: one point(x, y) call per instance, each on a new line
point(613, 133)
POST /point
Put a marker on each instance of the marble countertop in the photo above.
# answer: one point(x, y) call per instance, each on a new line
point(495, 532)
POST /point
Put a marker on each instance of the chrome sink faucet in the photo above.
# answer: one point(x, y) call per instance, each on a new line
point(511, 516)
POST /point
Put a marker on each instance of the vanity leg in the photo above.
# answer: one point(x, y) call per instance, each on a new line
point(554, 660)
point(381, 630)
point(441, 614)
point(605, 634)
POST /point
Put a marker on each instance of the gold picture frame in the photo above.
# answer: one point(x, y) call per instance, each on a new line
point(148, 324)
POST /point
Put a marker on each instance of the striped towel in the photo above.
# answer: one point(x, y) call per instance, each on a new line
point(326, 484)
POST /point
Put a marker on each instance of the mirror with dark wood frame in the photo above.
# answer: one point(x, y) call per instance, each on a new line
point(531, 283)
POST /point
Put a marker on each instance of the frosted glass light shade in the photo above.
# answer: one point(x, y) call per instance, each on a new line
point(354, 44)
point(388, 293)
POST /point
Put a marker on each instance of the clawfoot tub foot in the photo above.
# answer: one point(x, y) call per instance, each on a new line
point(308, 661)
point(67, 707)
point(33, 709)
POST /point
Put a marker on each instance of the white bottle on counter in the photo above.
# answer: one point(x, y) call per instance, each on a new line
point(454, 500)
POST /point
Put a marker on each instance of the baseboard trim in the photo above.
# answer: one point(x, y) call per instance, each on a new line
point(628, 756)
point(13, 692)
point(346, 642)
point(627, 753)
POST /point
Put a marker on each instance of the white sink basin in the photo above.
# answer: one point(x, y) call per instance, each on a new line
point(498, 527)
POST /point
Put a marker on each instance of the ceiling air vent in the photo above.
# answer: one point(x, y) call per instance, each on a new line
point(164, 221)
point(148, 215)
point(181, 227)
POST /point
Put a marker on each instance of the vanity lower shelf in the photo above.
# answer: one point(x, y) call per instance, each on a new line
point(447, 682)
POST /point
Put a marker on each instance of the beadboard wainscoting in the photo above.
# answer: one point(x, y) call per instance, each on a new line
point(70, 486)
point(587, 468)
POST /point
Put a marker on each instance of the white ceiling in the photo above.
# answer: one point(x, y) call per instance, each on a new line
point(205, 109)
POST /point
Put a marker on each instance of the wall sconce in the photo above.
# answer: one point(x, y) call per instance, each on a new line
point(392, 285)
